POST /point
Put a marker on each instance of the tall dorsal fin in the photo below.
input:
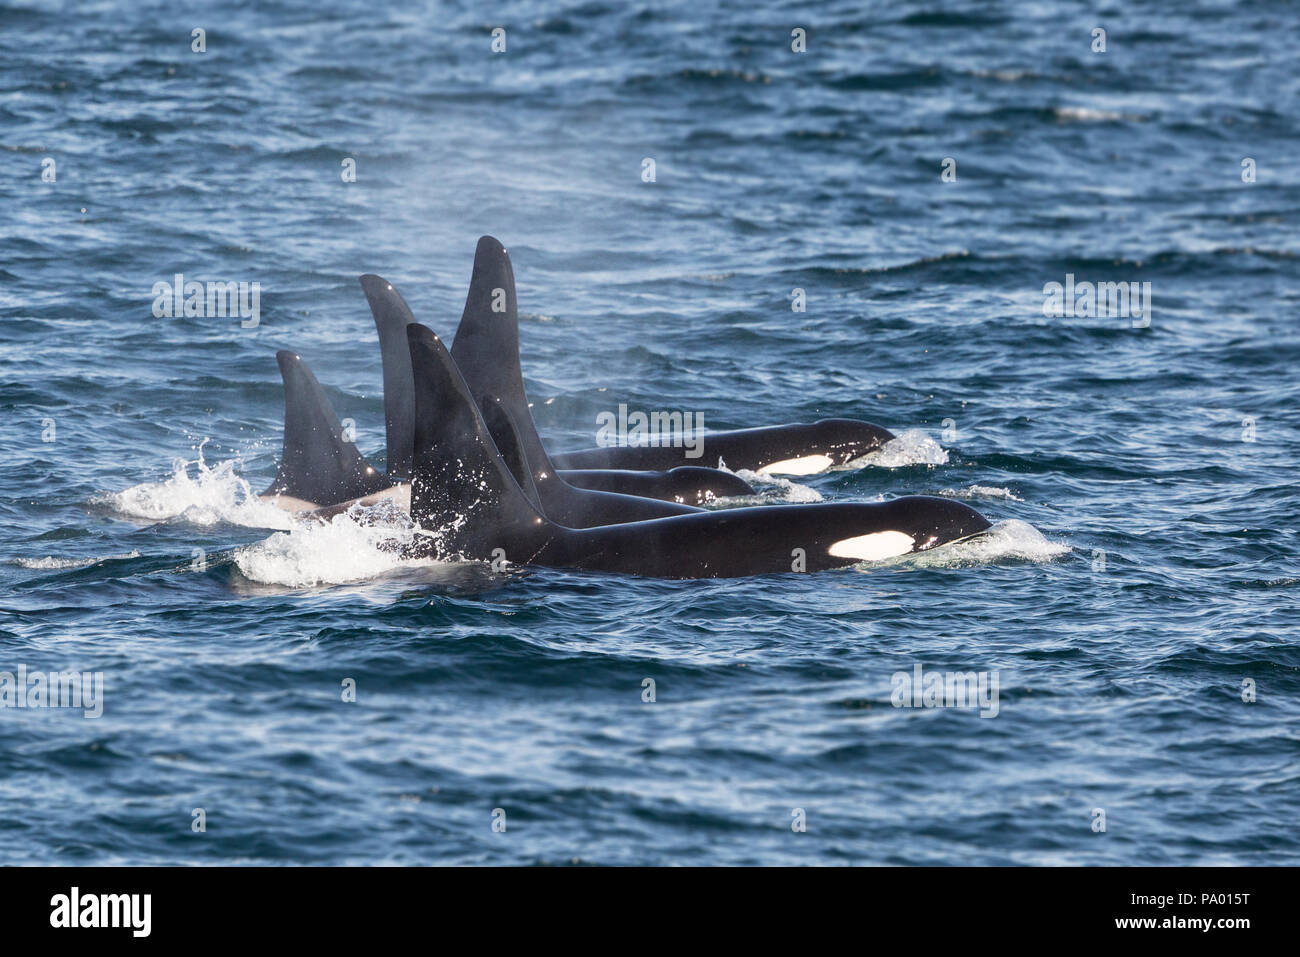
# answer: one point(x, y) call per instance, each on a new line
point(461, 488)
point(317, 464)
point(486, 352)
point(392, 316)
point(486, 348)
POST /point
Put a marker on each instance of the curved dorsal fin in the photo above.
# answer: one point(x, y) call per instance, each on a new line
point(392, 316)
point(317, 464)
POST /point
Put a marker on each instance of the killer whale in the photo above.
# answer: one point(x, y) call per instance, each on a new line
point(686, 483)
point(579, 507)
point(488, 344)
point(468, 505)
point(318, 465)
point(321, 473)
point(798, 449)
point(497, 338)
point(486, 348)
point(486, 352)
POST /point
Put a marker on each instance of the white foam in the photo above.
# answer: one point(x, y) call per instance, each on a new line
point(52, 561)
point(982, 491)
point(208, 496)
point(1011, 539)
point(1088, 114)
point(770, 488)
point(353, 546)
point(913, 447)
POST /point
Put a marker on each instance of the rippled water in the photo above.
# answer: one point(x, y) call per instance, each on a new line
point(1144, 563)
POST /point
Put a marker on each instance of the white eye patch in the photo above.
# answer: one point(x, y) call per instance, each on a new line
point(873, 547)
point(807, 465)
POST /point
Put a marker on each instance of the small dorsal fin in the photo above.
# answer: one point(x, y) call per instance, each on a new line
point(392, 316)
point(318, 464)
point(505, 435)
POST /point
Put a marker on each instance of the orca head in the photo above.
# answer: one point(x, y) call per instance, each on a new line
point(827, 443)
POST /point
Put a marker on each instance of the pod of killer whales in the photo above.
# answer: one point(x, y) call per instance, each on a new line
point(465, 462)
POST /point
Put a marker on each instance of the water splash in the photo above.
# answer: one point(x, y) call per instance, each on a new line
point(1011, 539)
point(982, 491)
point(201, 495)
point(359, 544)
point(53, 561)
point(913, 447)
point(772, 488)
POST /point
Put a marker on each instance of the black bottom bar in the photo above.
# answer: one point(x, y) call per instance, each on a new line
point(331, 906)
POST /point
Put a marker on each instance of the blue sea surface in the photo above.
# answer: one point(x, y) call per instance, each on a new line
point(1137, 602)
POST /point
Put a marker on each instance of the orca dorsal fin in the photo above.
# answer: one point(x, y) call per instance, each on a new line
point(461, 488)
point(317, 463)
point(505, 436)
point(392, 316)
point(486, 348)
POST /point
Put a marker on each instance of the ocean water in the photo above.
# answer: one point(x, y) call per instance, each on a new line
point(1136, 603)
